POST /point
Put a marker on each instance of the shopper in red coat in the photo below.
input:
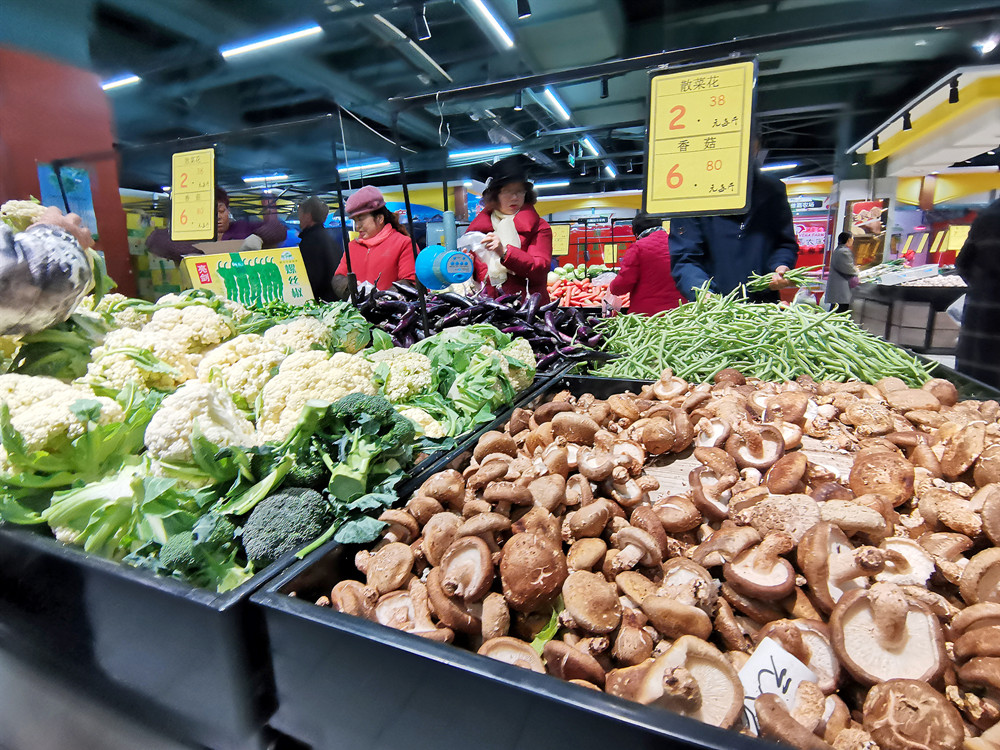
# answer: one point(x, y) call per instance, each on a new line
point(514, 231)
point(645, 270)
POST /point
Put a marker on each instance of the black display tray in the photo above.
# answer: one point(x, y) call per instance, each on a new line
point(190, 662)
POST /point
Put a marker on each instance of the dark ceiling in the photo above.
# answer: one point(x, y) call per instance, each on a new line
point(830, 70)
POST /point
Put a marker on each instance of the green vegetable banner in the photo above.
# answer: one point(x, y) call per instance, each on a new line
point(255, 278)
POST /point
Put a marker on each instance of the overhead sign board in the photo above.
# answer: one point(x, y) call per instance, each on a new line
point(698, 141)
point(192, 195)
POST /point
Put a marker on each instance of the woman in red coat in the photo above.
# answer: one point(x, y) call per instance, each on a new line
point(645, 270)
point(514, 231)
point(383, 251)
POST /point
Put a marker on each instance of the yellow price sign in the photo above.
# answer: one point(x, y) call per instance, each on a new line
point(192, 195)
point(698, 147)
point(560, 239)
point(610, 254)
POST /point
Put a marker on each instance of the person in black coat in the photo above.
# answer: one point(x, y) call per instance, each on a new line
point(727, 249)
point(978, 262)
point(320, 253)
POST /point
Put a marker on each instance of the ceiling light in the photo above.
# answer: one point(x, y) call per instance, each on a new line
point(779, 167)
point(987, 45)
point(553, 184)
point(559, 107)
point(583, 169)
point(518, 105)
point(604, 88)
point(523, 8)
point(874, 143)
point(934, 173)
point(270, 41)
point(907, 123)
point(126, 79)
point(629, 166)
point(991, 153)
point(491, 22)
point(165, 188)
point(467, 183)
point(266, 178)
point(920, 43)
point(430, 60)
point(420, 23)
point(396, 31)
point(610, 171)
point(953, 91)
point(590, 146)
point(383, 164)
point(473, 153)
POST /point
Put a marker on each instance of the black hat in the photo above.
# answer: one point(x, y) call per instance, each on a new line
point(507, 170)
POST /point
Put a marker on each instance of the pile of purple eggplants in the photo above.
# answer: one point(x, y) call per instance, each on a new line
point(559, 336)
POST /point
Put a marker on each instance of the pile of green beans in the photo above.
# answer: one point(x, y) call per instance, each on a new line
point(768, 341)
point(798, 276)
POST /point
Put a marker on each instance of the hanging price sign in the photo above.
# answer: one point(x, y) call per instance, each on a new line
point(192, 195)
point(698, 142)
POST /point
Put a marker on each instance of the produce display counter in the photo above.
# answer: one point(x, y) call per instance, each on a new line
point(188, 661)
point(910, 316)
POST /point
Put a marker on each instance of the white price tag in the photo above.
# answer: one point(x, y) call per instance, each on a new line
point(771, 669)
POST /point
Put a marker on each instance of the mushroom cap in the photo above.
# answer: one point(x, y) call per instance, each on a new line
point(439, 532)
point(868, 417)
point(912, 399)
point(549, 491)
point(823, 552)
point(635, 585)
point(991, 510)
point(883, 473)
point(677, 514)
point(494, 442)
point(914, 569)
point(761, 574)
point(389, 567)
point(981, 577)
point(546, 412)
point(978, 642)
point(592, 602)
point(496, 616)
point(658, 436)
point(576, 428)
point(778, 724)
point(568, 663)
point(483, 523)
point(467, 569)
point(982, 615)
point(585, 553)
point(449, 611)
point(354, 598)
point(401, 524)
point(981, 671)
point(944, 391)
point(512, 651)
point(785, 476)
point(674, 619)
point(919, 655)
point(507, 492)
point(770, 449)
point(903, 714)
point(794, 514)
point(687, 582)
point(694, 678)
point(447, 487)
point(962, 449)
point(987, 468)
point(532, 571)
point(395, 610)
point(537, 520)
point(595, 465)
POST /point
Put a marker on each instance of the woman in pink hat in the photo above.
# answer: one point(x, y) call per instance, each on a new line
point(382, 253)
point(519, 238)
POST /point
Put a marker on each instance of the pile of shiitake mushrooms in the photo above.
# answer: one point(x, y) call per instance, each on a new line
point(883, 578)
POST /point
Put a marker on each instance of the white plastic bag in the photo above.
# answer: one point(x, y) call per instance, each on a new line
point(956, 310)
point(472, 242)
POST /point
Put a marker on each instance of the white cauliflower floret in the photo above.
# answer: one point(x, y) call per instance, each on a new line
point(409, 374)
point(113, 363)
point(301, 335)
point(310, 375)
point(425, 423)
point(196, 326)
point(238, 311)
point(520, 349)
point(19, 215)
point(168, 435)
point(124, 316)
point(242, 366)
point(40, 409)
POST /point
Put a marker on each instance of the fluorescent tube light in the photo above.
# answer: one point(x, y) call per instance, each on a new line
point(559, 107)
point(480, 152)
point(492, 22)
point(165, 188)
point(116, 83)
point(610, 171)
point(554, 184)
point(266, 178)
point(590, 146)
point(270, 41)
point(779, 167)
point(370, 165)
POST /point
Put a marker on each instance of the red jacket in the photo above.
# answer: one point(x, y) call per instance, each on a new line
point(528, 266)
point(385, 258)
point(645, 274)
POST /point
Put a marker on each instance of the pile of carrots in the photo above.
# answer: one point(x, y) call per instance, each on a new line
point(579, 293)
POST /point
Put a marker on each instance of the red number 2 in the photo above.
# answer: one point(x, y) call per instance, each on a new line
point(184, 179)
point(680, 110)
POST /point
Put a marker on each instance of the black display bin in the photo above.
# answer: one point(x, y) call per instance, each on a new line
point(187, 661)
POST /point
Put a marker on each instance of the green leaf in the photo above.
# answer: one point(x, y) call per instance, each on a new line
point(86, 409)
point(360, 531)
point(549, 632)
point(372, 501)
point(381, 340)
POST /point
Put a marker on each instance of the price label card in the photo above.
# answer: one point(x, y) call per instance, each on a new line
point(192, 195)
point(560, 239)
point(771, 669)
point(698, 147)
point(610, 254)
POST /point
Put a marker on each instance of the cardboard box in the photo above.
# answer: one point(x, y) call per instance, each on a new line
point(908, 336)
point(911, 314)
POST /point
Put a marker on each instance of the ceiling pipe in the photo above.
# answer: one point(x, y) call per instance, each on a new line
point(715, 51)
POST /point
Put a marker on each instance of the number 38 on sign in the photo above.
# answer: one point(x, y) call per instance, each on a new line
point(698, 149)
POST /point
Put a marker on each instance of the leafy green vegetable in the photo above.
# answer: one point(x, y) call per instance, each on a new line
point(349, 331)
point(551, 629)
point(63, 350)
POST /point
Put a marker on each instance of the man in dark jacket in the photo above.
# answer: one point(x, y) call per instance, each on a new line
point(320, 253)
point(978, 354)
point(727, 249)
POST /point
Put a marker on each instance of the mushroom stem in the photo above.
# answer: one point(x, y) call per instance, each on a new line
point(889, 608)
point(866, 561)
point(769, 551)
point(681, 685)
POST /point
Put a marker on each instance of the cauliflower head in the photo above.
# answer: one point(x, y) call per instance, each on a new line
point(124, 316)
point(403, 374)
point(425, 424)
point(168, 435)
point(520, 377)
point(242, 366)
point(196, 327)
point(301, 335)
point(19, 215)
point(310, 375)
point(41, 410)
point(154, 361)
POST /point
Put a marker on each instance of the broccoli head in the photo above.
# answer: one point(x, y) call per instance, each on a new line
point(206, 555)
point(283, 522)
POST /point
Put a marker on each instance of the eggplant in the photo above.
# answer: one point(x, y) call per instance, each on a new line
point(519, 330)
point(548, 306)
point(548, 359)
point(405, 323)
point(456, 299)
